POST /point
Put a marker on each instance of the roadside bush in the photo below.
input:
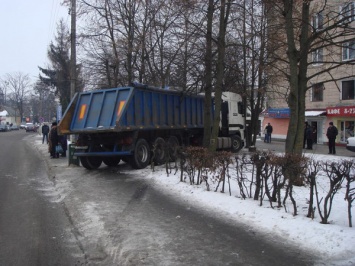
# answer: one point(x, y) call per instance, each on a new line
point(265, 174)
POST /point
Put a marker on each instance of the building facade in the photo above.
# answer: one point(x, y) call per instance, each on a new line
point(331, 90)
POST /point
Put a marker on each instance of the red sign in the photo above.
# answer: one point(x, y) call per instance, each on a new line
point(341, 111)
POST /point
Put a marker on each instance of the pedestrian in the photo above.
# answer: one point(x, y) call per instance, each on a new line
point(309, 137)
point(45, 132)
point(305, 134)
point(265, 135)
point(53, 141)
point(64, 143)
point(268, 132)
point(332, 133)
point(314, 135)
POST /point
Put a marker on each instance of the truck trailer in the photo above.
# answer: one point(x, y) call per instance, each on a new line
point(140, 124)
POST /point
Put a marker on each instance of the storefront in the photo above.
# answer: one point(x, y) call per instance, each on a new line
point(317, 119)
point(279, 118)
point(343, 118)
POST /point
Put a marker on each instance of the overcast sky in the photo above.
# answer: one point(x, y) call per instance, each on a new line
point(27, 28)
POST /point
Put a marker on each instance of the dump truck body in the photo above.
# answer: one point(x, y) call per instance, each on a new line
point(133, 123)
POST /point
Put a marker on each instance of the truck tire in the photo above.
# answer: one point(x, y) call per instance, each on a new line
point(237, 144)
point(90, 162)
point(173, 145)
point(111, 161)
point(141, 156)
point(159, 151)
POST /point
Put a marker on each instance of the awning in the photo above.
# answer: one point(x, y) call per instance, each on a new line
point(315, 113)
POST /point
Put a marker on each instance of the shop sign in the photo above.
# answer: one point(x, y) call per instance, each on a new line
point(279, 112)
point(341, 111)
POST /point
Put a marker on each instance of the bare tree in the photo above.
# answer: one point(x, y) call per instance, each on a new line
point(248, 67)
point(336, 173)
point(208, 76)
point(350, 189)
point(19, 85)
point(225, 7)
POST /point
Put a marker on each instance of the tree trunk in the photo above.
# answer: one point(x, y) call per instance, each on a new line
point(208, 77)
point(311, 195)
point(221, 47)
point(297, 78)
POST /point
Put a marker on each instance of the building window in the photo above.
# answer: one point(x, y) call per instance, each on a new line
point(317, 21)
point(317, 56)
point(348, 90)
point(349, 50)
point(347, 12)
point(317, 92)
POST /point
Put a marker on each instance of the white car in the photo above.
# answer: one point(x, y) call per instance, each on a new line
point(350, 144)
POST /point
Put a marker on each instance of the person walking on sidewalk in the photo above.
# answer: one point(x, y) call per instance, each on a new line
point(332, 133)
point(45, 131)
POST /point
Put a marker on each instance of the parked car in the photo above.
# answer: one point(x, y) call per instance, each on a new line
point(23, 126)
point(350, 144)
point(14, 127)
point(3, 128)
point(30, 127)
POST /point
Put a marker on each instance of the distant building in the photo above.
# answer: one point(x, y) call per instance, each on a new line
point(9, 116)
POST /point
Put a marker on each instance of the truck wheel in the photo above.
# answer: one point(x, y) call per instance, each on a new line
point(141, 156)
point(90, 162)
point(159, 151)
point(111, 161)
point(237, 144)
point(173, 145)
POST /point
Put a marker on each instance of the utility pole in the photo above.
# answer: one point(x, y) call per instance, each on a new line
point(72, 57)
point(73, 49)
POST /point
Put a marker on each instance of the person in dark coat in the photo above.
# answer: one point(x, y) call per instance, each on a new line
point(53, 140)
point(314, 135)
point(45, 132)
point(309, 137)
point(332, 133)
point(268, 129)
point(64, 143)
point(305, 134)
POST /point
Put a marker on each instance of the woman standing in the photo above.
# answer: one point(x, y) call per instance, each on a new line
point(53, 141)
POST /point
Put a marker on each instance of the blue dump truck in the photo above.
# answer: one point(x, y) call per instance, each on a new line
point(140, 124)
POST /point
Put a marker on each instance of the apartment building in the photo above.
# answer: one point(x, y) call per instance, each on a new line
point(331, 93)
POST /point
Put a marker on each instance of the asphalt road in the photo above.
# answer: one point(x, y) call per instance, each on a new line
point(55, 214)
point(33, 231)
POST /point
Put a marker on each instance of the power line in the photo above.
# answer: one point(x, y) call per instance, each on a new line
point(54, 17)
